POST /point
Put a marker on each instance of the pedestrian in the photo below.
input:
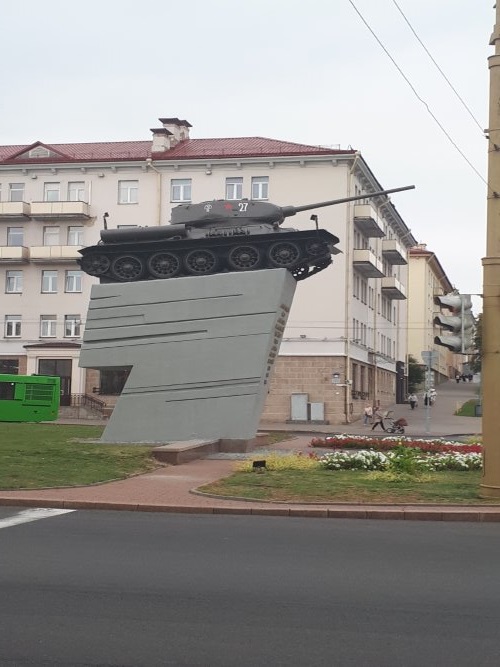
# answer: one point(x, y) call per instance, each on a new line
point(378, 420)
point(412, 398)
point(367, 415)
point(426, 398)
point(457, 378)
point(432, 396)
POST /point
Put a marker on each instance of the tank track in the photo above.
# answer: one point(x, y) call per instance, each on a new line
point(303, 253)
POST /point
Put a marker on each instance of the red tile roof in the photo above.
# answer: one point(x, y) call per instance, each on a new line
point(242, 147)
point(117, 150)
point(189, 149)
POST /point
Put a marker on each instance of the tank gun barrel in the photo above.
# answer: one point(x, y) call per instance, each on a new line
point(292, 210)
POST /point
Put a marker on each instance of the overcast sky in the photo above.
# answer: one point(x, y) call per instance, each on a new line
point(305, 71)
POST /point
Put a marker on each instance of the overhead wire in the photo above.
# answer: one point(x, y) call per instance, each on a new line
point(433, 116)
point(462, 101)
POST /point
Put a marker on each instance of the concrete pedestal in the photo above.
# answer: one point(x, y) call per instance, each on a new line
point(200, 350)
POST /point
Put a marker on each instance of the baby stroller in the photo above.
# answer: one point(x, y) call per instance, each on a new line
point(392, 425)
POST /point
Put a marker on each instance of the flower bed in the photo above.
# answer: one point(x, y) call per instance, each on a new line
point(388, 443)
point(367, 459)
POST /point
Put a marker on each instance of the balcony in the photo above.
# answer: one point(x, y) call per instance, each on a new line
point(54, 254)
point(393, 289)
point(60, 210)
point(14, 210)
point(367, 264)
point(393, 252)
point(14, 254)
point(367, 220)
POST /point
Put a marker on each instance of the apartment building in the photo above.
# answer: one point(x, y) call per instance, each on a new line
point(345, 342)
point(427, 279)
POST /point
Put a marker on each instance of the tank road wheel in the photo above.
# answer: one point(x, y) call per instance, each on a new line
point(201, 262)
point(164, 265)
point(316, 248)
point(284, 255)
point(244, 258)
point(95, 264)
point(127, 268)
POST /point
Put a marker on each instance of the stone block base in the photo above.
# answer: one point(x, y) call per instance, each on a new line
point(185, 451)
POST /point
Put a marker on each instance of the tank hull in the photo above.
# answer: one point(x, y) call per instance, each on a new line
point(220, 250)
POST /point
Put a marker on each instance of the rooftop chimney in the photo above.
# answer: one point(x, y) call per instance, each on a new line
point(161, 140)
point(179, 129)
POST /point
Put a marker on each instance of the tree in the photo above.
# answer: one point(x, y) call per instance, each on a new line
point(416, 374)
point(475, 362)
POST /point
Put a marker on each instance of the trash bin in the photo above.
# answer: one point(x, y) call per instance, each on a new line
point(478, 410)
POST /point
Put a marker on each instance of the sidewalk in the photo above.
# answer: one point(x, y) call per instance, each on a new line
point(169, 489)
point(436, 421)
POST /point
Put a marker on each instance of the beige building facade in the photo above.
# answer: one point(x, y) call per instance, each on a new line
point(428, 279)
point(346, 339)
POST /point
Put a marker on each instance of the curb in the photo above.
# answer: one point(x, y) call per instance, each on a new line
point(406, 513)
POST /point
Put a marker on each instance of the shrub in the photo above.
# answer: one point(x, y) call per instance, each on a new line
point(407, 460)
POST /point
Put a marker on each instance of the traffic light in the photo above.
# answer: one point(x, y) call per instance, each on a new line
point(460, 322)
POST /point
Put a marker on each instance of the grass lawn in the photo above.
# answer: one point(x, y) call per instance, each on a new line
point(45, 455)
point(468, 409)
point(351, 486)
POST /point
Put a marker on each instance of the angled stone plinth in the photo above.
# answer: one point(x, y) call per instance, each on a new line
point(200, 350)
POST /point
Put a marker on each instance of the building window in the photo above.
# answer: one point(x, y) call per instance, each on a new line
point(15, 236)
point(260, 187)
point(234, 188)
point(10, 366)
point(75, 235)
point(72, 326)
point(49, 282)
point(12, 326)
point(364, 291)
point(51, 235)
point(39, 151)
point(180, 189)
point(355, 287)
point(16, 191)
point(76, 191)
point(51, 191)
point(128, 192)
point(73, 281)
point(112, 382)
point(14, 282)
point(48, 324)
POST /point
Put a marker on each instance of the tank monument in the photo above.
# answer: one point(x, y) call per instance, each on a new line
point(196, 311)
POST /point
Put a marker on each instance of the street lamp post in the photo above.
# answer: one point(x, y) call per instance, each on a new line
point(490, 483)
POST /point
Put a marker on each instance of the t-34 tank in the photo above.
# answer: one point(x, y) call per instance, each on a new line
point(215, 237)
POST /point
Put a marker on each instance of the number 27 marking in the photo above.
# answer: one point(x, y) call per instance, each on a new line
point(242, 206)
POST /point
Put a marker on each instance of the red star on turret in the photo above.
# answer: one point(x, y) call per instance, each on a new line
point(228, 206)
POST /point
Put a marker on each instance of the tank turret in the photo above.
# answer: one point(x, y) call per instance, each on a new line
point(214, 237)
point(249, 212)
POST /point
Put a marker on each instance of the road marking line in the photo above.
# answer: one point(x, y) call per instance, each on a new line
point(31, 515)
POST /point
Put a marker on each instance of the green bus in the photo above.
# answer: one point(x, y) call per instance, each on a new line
point(29, 398)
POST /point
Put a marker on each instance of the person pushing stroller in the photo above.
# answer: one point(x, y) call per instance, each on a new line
point(378, 419)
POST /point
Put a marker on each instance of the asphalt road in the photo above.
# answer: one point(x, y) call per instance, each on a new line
point(131, 589)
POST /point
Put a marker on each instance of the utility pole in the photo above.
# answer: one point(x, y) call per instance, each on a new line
point(490, 483)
